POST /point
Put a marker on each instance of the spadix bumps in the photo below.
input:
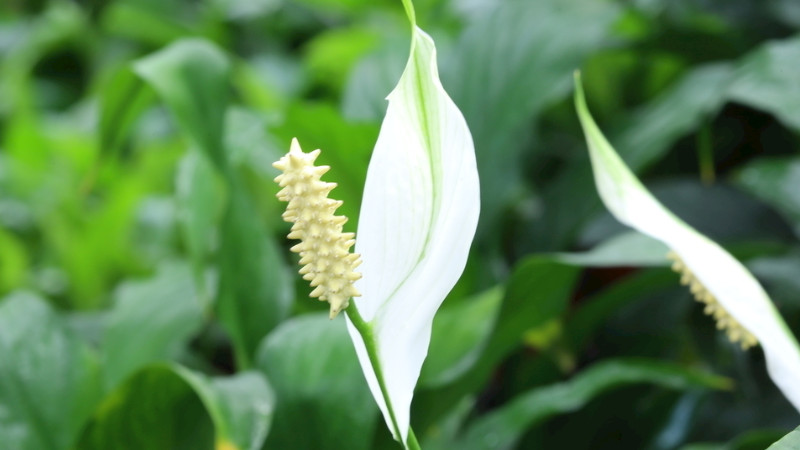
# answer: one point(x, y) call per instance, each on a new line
point(324, 249)
point(733, 329)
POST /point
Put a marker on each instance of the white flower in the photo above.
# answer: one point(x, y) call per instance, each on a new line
point(418, 217)
point(417, 221)
point(729, 291)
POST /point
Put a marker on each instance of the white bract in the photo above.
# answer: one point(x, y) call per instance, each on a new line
point(418, 218)
point(730, 292)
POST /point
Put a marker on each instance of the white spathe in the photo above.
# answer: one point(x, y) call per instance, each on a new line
point(732, 285)
point(418, 218)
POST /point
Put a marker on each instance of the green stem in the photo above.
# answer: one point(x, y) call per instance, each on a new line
point(705, 154)
point(368, 335)
point(413, 444)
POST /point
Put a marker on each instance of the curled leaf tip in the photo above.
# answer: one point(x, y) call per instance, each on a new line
point(735, 331)
point(324, 248)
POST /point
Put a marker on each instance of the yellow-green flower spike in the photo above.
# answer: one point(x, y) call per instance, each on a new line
point(324, 249)
point(735, 331)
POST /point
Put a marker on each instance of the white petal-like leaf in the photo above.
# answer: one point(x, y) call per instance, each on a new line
point(418, 217)
point(733, 287)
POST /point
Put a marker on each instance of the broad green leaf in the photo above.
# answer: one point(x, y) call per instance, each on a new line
point(151, 320)
point(766, 79)
point(458, 336)
point(503, 82)
point(536, 296)
point(255, 290)
point(789, 442)
point(501, 428)
point(169, 407)
point(322, 400)
point(240, 406)
point(49, 379)
point(191, 77)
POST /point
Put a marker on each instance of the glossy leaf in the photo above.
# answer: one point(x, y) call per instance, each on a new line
point(50, 380)
point(311, 364)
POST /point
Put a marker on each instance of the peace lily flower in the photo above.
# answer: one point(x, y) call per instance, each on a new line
point(418, 217)
point(731, 294)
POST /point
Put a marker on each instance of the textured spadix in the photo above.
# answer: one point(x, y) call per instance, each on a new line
point(323, 248)
point(730, 292)
point(418, 218)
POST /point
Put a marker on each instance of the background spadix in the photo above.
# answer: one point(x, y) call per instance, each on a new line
point(732, 285)
point(418, 217)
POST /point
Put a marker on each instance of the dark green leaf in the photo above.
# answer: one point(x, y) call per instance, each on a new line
point(776, 182)
point(503, 82)
point(457, 337)
point(322, 397)
point(501, 428)
point(170, 407)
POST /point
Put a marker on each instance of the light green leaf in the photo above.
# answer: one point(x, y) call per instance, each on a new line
point(152, 320)
point(49, 379)
point(200, 198)
point(626, 249)
point(123, 98)
point(191, 77)
point(789, 442)
point(319, 386)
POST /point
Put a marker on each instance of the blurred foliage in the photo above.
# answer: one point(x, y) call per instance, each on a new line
point(149, 299)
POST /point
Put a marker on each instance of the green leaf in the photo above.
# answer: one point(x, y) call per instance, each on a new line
point(458, 336)
point(49, 379)
point(537, 295)
point(646, 135)
point(626, 249)
point(322, 399)
point(255, 291)
point(123, 98)
point(775, 182)
point(171, 407)
point(501, 428)
point(200, 198)
point(240, 406)
point(789, 442)
point(152, 320)
point(191, 77)
point(346, 148)
point(522, 69)
point(766, 79)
